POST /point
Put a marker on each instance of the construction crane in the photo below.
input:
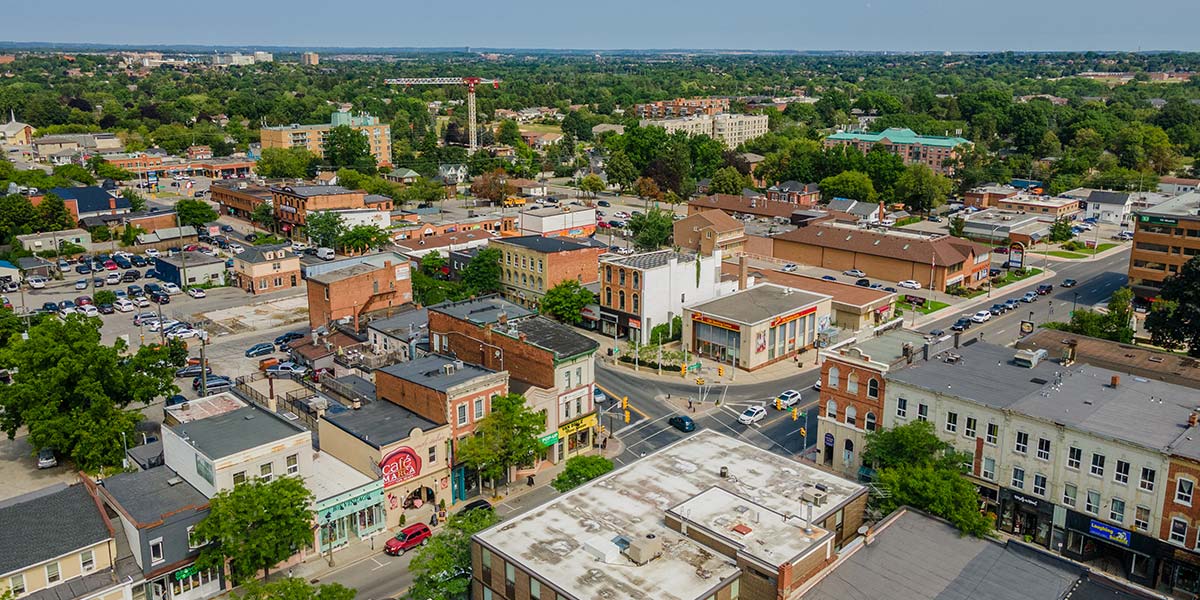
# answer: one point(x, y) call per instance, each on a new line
point(470, 82)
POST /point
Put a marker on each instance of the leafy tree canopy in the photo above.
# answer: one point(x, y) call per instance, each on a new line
point(566, 300)
point(441, 568)
point(1174, 319)
point(255, 526)
point(580, 470)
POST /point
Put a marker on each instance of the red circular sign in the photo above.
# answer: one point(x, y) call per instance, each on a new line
point(399, 466)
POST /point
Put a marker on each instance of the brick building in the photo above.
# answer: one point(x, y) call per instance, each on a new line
point(264, 269)
point(533, 264)
point(350, 288)
point(681, 107)
point(642, 291)
point(936, 152)
point(742, 205)
point(987, 196)
point(551, 364)
point(803, 195)
point(294, 203)
point(1164, 238)
point(710, 230)
point(238, 198)
point(446, 391)
point(312, 137)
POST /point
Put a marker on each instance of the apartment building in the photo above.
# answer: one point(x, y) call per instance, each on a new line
point(312, 137)
point(264, 269)
point(1074, 457)
point(238, 198)
point(533, 264)
point(681, 107)
point(705, 518)
point(1053, 207)
point(348, 289)
point(708, 231)
point(57, 542)
point(641, 291)
point(1164, 237)
point(294, 203)
point(551, 364)
point(730, 129)
point(310, 59)
point(939, 153)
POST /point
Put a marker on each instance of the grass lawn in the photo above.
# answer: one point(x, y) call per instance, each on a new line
point(540, 128)
point(1078, 254)
point(1011, 277)
point(928, 307)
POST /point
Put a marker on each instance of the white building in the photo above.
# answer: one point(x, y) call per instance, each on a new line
point(364, 216)
point(641, 291)
point(572, 221)
point(731, 129)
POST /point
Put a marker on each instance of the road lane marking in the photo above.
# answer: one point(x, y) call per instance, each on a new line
point(617, 399)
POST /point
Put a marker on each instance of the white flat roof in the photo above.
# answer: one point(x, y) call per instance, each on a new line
point(331, 477)
point(553, 540)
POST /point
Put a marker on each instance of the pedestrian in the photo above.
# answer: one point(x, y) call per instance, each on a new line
point(689, 403)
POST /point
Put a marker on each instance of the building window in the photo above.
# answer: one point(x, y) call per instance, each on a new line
point(16, 584)
point(1183, 491)
point(952, 422)
point(193, 543)
point(637, 280)
point(53, 574)
point(156, 551)
point(432, 455)
point(462, 414)
point(1121, 473)
point(1179, 529)
point(831, 409)
point(1147, 482)
point(608, 273)
point(831, 380)
point(922, 412)
point(1074, 457)
point(567, 373)
point(265, 470)
point(1039, 484)
point(872, 388)
point(851, 415)
point(1069, 494)
point(852, 383)
point(87, 561)
point(239, 477)
point(1141, 518)
point(636, 304)
point(621, 278)
point(293, 464)
point(989, 469)
point(1116, 510)
point(535, 588)
point(969, 430)
point(608, 296)
point(1043, 451)
point(621, 300)
point(901, 407)
point(870, 421)
point(1097, 464)
point(1093, 502)
point(478, 408)
point(1018, 478)
point(993, 433)
point(1022, 445)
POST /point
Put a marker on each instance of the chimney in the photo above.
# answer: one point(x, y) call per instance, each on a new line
point(1193, 419)
point(521, 336)
point(743, 266)
point(502, 318)
point(112, 204)
point(1115, 382)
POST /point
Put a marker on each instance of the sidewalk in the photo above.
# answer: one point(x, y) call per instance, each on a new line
point(966, 307)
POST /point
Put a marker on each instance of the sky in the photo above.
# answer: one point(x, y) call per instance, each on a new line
point(866, 25)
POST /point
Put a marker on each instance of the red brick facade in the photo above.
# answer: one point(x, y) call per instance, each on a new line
point(353, 295)
point(867, 400)
point(479, 345)
point(1181, 468)
point(435, 405)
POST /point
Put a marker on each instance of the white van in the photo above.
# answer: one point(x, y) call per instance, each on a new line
point(325, 253)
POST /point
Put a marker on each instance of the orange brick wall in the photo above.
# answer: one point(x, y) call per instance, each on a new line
point(353, 296)
point(1171, 509)
point(523, 361)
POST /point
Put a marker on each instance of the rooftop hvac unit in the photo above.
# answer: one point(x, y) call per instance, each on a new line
point(816, 497)
point(644, 549)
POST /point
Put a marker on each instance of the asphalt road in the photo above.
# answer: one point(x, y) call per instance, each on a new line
point(648, 429)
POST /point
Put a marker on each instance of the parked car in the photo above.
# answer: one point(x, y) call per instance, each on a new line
point(788, 398)
point(145, 319)
point(164, 325)
point(1000, 250)
point(196, 292)
point(751, 415)
point(1029, 297)
point(151, 274)
point(83, 268)
point(603, 203)
point(134, 290)
point(937, 333)
point(267, 363)
point(98, 282)
point(137, 261)
point(863, 283)
point(83, 300)
point(105, 309)
point(171, 288)
point(1069, 283)
point(598, 395)
point(160, 298)
point(478, 504)
point(192, 371)
point(131, 276)
point(829, 278)
point(88, 310)
point(262, 349)
point(911, 284)
point(49, 307)
point(287, 338)
point(213, 381)
point(1012, 303)
point(140, 301)
point(999, 308)
point(113, 278)
point(46, 459)
point(153, 288)
point(962, 324)
point(36, 282)
point(935, 219)
point(123, 305)
point(82, 284)
point(790, 268)
point(410, 537)
point(183, 333)
point(982, 316)
point(152, 252)
point(287, 369)
point(682, 423)
point(854, 273)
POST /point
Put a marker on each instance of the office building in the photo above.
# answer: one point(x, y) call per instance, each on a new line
point(939, 153)
point(1164, 237)
point(312, 137)
point(730, 129)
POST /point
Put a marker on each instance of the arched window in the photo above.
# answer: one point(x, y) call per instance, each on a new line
point(870, 421)
point(851, 415)
point(635, 303)
point(872, 388)
point(852, 383)
point(831, 409)
point(621, 299)
point(848, 452)
point(539, 283)
point(608, 273)
point(608, 296)
point(832, 379)
point(524, 279)
point(636, 280)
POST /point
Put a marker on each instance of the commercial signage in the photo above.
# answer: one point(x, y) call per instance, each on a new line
point(399, 466)
point(792, 317)
point(1026, 327)
point(1152, 220)
point(829, 439)
point(707, 320)
point(1016, 255)
point(1023, 500)
point(549, 439)
point(1110, 533)
point(185, 572)
point(579, 425)
point(402, 271)
point(635, 323)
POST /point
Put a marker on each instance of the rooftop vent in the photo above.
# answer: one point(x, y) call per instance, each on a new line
point(644, 549)
point(174, 481)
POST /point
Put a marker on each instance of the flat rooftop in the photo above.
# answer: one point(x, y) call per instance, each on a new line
point(413, 321)
point(758, 303)
point(483, 310)
point(1047, 201)
point(380, 423)
point(331, 477)
point(550, 540)
point(1138, 360)
point(203, 408)
point(432, 372)
point(1183, 206)
point(888, 348)
point(545, 245)
point(150, 496)
point(550, 211)
point(842, 293)
point(774, 538)
point(237, 430)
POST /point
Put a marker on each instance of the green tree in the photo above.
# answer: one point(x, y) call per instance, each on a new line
point(1060, 230)
point(505, 438)
point(137, 202)
point(106, 170)
point(361, 238)
point(957, 226)
point(591, 184)
point(52, 214)
point(75, 173)
point(324, 228)
point(255, 526)
point(652, 229)
point(423, 190)
point(71, 391)
point(566, 300)
point(620, 170)
point(580, 470)
point(728, 181)
point(1174, 319)
point(914, 443)
point(292, 163)
point(509, 133)
point(264, 216)
point(922, 190)
point(346, 147)
point(196, 213)
point(293, 588)
point(482, 274)
point(941, 492)
point(441, 568)
point(854, 185)
point(105, 297)
point(17, 216)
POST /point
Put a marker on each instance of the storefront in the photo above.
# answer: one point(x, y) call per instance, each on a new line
point(186, 583)
point(1180, 572)
point(354, 514)
point(1028, 517)
point(755, 327)
point(575, 437)
point(1095, 542)
point(591, 317)
point(411, 485)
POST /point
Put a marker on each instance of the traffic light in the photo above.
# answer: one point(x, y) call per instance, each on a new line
point(778, 404)
point(626, 416)
point(683, 370)
point(720, 371)
point(795, 414)
point(625, 403)
point(803, 433)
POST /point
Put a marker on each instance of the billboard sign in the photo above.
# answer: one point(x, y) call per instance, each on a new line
point(1016, 255)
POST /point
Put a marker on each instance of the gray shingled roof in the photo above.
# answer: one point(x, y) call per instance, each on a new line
point(563, 341)
point(651, 260)
point(482, 310)
point(39, 527)
point(542, 244)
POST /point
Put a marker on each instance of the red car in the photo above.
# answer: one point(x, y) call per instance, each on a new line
point(408, 538)
point(110, 265)
point(83, 300)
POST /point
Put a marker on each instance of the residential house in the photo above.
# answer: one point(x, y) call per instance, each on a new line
point(1109, 207)
point(402, 175)
point(264, 269)
point(1178, 185)
point(705, 232)
point(453, 173)
point(189, 269)
point(803, 195)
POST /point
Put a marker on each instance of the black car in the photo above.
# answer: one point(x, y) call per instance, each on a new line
point(961, 325)
point(227, 228)
point(105, 309)
point(937, 333)
point(153, 288)
point(682, 423)
point(1044, 289)
point(49, 307)
point(603, 203)
point(122, 262)
point(134, 290)
point(250, 237)
point(176, 400)
point(160, 298)
point(479, 504)
point(999, 308)
point(151, 274)
point(130, 276)
point(288, 338)
point(138, 261)
point(192, 371)
point(1069, 283)
point(863, 283)
point(83, 268)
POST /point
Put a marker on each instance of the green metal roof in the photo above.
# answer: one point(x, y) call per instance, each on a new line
point(902, 136)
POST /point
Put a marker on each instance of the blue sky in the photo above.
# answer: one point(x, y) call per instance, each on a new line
point(611, 24)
